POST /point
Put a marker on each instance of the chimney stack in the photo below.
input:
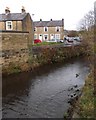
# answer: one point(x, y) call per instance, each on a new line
point(23, 9)
point(50, 19)
point(63, 22)
point(40, 19)
point(7, 10)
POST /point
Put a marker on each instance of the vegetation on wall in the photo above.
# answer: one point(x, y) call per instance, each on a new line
point(51, 54)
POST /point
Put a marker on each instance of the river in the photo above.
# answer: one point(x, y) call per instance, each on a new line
point(45, 92)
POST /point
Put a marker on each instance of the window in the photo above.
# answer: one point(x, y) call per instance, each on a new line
point(35, 29)
point(45, 29)
point(35, 36)
point(45, 37)
point(57, 36)
point(57, 29)
point(8, 25)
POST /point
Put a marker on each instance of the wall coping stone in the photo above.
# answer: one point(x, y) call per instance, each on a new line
point(12, 31)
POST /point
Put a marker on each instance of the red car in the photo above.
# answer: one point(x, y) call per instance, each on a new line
point(37, 41)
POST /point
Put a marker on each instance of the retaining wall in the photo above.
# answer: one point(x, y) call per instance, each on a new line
point(15, 49)
point(18, 56)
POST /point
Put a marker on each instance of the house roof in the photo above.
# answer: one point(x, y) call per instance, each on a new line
point(52, 23)
point(12, 16)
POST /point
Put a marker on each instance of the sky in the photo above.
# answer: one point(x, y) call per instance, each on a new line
point(72, 11)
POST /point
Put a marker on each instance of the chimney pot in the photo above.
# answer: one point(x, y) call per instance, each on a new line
point(23, 9)
point(7, 10)
point(40, 19)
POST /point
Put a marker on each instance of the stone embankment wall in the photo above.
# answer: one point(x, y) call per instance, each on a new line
point(18, 56)
point(15, 50)
point(54, 53)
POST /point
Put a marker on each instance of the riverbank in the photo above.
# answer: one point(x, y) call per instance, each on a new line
point(85, 106)
point(42, 55)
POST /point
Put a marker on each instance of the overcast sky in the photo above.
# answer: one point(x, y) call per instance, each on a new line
point(70, 10)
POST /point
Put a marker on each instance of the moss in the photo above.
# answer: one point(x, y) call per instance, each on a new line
point(12, 68)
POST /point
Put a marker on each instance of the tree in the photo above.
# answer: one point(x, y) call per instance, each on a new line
point(86, 25)
point(87, 22)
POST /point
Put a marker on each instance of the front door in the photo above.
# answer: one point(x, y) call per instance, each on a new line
point(51, 36)
point(40, 37)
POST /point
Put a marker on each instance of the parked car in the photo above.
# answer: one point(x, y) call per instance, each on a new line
point(61, 41)
point(37, 41)
point(52, 40)
point(77, 39)
point(68, 41)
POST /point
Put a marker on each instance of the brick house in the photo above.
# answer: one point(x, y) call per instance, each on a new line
point(47, 30)
point(20, 22)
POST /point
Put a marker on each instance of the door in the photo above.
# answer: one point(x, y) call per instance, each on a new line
point(40, 37)
point(52, 36)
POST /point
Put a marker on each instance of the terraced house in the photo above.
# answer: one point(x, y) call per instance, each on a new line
point(17, 33)
point(16, 22)
point(47, 30)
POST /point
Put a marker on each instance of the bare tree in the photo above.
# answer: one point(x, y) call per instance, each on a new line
point(87, 22)
point(86, 25)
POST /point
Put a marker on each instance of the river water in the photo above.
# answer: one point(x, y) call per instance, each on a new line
point(45, 92)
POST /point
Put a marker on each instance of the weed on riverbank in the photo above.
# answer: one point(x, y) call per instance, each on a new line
point(85, 106)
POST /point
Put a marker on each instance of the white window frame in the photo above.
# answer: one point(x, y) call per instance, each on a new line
point(57, 27)
point(35, 36)
point(57, 36)
point(7, 25)
point(45, 28)
point(44, 37)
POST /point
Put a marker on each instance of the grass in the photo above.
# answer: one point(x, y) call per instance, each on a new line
point(46, 43)
point(85, 106)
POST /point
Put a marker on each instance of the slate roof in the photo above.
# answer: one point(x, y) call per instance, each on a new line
point(12, 16)
point(52, 23)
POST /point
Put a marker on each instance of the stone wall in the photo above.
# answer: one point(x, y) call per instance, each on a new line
point(50, 54)
point(18, 55)
point(15, 49)
point(27, 25)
